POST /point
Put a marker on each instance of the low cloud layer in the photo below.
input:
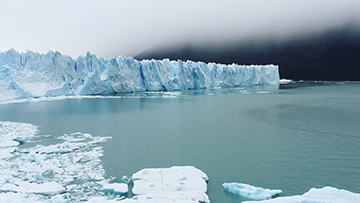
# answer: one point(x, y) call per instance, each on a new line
point(111, 28)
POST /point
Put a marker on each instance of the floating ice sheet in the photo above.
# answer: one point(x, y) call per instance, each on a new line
point(250, 191)
point(50, 188)
point(115, 188)
point(13, 133)
point(178, 183)
point(323, 195)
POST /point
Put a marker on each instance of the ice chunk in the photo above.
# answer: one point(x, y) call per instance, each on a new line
point(285, 81)
point(102, 200)
point(18, 198)
point(170, 196)
point(176, 178)
point(125, 179)
point(31, 75)
point(323, 195)
point(250, 191)
point(44, 171)
point(13, 133)
point(64, 147)
point(51, 188)
point(116, 188)
point(6, 153)
point(180, 183)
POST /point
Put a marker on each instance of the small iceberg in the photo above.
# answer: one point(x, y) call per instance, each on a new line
point(116, 188)
point(326, 195)
point(285, 81)
point(250, 191)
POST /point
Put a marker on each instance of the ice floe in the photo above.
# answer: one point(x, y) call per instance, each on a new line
point(70, 170)
point(67, 171)
point(13, 133)
point(323, 195)
point(250, 191)
point(50, 188)
point(116, 188)
point(178, 183)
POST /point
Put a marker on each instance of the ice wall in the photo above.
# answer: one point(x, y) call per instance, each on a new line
point(31, 75)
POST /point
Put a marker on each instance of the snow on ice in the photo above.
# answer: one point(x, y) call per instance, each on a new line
point(323, 195)
point(178, 183)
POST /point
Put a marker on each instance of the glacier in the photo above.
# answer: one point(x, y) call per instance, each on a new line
point(30, 75)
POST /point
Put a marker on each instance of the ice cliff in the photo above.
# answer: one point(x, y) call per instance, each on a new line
point(31, 75)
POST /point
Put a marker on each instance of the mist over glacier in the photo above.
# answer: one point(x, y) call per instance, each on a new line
point(32, 75)
point(332, 54)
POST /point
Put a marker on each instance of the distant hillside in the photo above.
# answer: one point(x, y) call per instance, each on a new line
point(330, 55)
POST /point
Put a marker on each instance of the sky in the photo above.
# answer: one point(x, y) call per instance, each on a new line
point(109, 28)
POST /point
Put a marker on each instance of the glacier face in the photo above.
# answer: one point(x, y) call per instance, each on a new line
point(32, 75)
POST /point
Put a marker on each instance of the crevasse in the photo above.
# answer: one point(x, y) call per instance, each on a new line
point(31, 75)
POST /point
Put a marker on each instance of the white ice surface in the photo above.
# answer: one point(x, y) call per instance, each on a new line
point(250, 191)
point(12, 133)
point(31, 75)
point(178, 183)
point(50, 188)
point(18, 198)
point(285, 81)
point(166, 197)
point(323, 195)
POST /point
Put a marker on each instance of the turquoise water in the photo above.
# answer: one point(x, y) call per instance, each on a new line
point(294, 138)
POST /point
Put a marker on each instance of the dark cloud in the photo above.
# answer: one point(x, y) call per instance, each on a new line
point(331, 54)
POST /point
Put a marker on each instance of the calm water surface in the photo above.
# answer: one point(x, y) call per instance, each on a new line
point(294, 138)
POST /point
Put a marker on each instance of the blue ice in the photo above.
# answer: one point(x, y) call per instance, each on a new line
point(30, 75)
point(250, 191)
